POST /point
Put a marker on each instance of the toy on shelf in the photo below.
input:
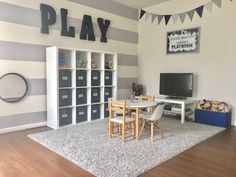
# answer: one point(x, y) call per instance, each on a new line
point(63, 63)
point(82, 63)
point(93, 64)
point(108, 65)
point(217, 106)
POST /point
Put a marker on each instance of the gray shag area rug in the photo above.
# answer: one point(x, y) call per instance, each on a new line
point(88, 145)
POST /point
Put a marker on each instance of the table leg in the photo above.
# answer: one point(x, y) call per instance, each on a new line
point(137, 124)
point(182, 113)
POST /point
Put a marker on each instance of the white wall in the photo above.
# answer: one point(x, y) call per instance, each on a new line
point(214, 66)
point(22, 48)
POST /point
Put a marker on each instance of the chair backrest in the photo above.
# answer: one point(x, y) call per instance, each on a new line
point(116, 106)
point(158, 112)
point(147, 98)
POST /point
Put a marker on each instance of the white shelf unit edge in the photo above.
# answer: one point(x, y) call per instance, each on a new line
point(52, 67)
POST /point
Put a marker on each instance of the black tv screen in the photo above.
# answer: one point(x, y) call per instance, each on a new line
point(176, 84)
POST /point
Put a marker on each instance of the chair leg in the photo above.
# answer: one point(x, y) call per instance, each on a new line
point(161, 131)
point(151, 131)
point(133, 129)
point(109, 129)
point(123, 132)
point(120, 129)
point(142, 128)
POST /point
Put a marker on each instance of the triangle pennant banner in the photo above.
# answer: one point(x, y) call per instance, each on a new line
point(167, 18)
point(190, 14)
point(199, 11)
point(147, 15)
point(182, 16)
point(208, 6)
point(153, 17)
point(159, 18)
point(142, 12)
point(217, 2)
point(175, 17)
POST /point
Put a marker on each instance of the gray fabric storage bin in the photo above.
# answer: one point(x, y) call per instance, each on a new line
point(107, 93)
point(81, 96)
point(95, 111)
point(81, 78)
point(65, 97)
point(95, 78)
point(95, 95)
point(64, 78)
point(81, 114)
point(65, 116)
point(108, 78)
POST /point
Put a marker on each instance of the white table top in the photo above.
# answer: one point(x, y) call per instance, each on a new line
point(140, 104)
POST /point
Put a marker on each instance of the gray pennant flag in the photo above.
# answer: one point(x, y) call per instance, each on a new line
point(153, 17)
point(182, 16)
point(159, 18)
point(217, 2)
point(147, 15)
point(190, 14)
point(175, 17)
point(208, 6)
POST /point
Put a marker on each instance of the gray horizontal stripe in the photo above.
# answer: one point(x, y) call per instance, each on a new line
point(37, 87)
point(31, 52)
point(111, 7)
point(22, 119)
point(31, 17)
point(126, 83)
point(22, 51)
point(127, 60)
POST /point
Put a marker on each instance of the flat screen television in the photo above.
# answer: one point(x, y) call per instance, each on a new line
point(176, 85)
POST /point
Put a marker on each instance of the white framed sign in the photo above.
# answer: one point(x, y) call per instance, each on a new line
point(183, 41)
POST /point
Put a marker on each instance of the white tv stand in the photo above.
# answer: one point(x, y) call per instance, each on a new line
point(182, 102)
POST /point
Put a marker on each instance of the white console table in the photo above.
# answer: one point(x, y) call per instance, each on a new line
point(182, 102)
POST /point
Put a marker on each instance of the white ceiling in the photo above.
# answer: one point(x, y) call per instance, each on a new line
point(139, 4)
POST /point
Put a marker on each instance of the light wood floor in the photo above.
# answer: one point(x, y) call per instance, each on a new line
point(22, 157)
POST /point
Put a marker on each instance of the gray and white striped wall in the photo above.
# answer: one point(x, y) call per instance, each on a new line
point(22, 49)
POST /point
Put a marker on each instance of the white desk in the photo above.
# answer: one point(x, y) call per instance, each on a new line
point(182, 102)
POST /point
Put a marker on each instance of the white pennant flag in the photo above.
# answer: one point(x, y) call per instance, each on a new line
point(208, 6)
point(153, 17)
point(175, 17)
point(147, 15)
point(217, 2)
point(182, 16)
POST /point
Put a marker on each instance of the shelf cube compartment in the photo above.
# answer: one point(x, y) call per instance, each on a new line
point(81, 114)
point(65, 116)
point(64, 78)
point(107, 93)
point(95, 95)
point(81, 59)
point(106, 110)
point(108, 78)
point(81, 78)
point(95, 78)
point(95, 112)
point(81, 96)
point(65, 97)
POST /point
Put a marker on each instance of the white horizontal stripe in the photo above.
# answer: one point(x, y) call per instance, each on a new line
point(22, 127)
point(27, 105)
point(127, 71)
point(26, 34)
point(123, 93)
point(29, 69)
point(76, 10)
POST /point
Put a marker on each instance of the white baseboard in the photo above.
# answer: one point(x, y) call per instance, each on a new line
point(22, 127)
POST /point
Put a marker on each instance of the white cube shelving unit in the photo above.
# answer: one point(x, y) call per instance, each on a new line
point(78, 85)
